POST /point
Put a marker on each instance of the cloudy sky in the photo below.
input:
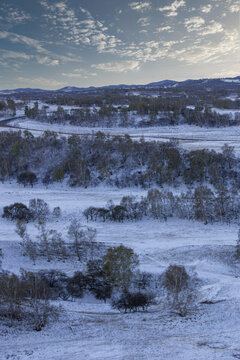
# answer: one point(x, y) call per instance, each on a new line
point(51, 44)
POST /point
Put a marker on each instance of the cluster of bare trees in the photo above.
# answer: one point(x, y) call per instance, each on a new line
point(201, 204)
point(37, 210)
point(50, 244)
point(25, 298)
point(138, 114)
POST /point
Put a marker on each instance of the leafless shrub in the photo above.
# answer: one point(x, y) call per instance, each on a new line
point(181, 293)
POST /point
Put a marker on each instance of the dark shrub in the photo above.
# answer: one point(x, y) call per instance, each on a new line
point(119, 213)
point(96, 280)
point(17, 211)
point(76, 284)
point(56, 281)
point(27, 178)
point(133, 301)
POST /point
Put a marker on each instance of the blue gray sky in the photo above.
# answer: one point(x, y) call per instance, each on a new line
point(51, 44)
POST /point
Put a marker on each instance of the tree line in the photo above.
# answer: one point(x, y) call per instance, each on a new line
point(146, 113)
point(200, 204)
point(119, 161)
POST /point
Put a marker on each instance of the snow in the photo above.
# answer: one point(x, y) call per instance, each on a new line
point(152, 335)
point(189, 136)
point(226, 111)
point(237, 81)
point(90, 329)
point(233, 97)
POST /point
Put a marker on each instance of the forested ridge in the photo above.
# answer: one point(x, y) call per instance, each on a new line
point(115, 161)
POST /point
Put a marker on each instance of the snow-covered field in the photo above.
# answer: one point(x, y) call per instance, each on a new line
point(189, 137)
point(212, 333)
point(90, 329)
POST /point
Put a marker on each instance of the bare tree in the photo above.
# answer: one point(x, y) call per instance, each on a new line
point(44, 241)
point(58, 246)
point(1, 257)
point(180, 293)
point(39, 209)
point(29, 246)
point(38, 298)
point(238, 246)
point(77, 234)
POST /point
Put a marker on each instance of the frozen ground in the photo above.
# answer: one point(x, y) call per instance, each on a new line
point(90, 329)
point(190, 137)
point(211, 333)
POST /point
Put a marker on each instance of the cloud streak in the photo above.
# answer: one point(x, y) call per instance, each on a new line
point(79, 73)
point(173, 7)
point(198, 25)
point(118, 67)
point(209, 52)
point(41, 55)
point(206, 9)
point(140, 6)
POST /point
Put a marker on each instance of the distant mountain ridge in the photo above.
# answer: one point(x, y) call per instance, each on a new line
point(160, 84)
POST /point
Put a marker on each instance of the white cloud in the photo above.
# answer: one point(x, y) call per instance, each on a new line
point(165, 28)
point(210, 52)
point(79, 73)
point(21, 56)
point(85, 11)
point(198, 24)
point(13, 15)
point(234, 8)
point(16, 38)
point(213, 28)
point(9, 54)
point(45, 60)
point(206, 9)
point(149, 50)
point(71, 29)
point(172, 8)
point(38, 52)
point(194, 23)
point(144, 21)
point(140, 6)
point(123, 66)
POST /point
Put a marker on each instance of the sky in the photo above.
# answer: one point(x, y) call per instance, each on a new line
point(51, 44)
